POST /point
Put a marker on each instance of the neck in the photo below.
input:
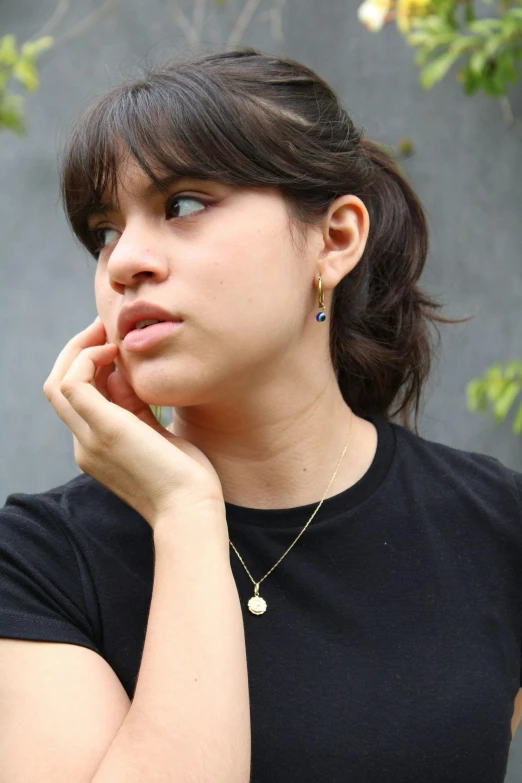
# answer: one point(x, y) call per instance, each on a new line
point(281, 453)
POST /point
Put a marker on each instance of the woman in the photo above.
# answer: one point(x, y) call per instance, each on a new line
point(285, 585)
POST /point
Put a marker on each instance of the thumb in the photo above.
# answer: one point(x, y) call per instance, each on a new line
point(123, 394)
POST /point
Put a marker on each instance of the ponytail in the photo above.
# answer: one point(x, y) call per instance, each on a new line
point(381, 338)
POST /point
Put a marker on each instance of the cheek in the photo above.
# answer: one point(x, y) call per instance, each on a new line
point(105, 299)
point(254, 301)
point(99, 292)
point(235, 295)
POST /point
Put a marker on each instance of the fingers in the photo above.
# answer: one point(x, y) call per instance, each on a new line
point(115, 387)
point(78, 403)
point(77, 388)
point(122, 393)
point(87, 392)
point(92, 335)
point(101, 377)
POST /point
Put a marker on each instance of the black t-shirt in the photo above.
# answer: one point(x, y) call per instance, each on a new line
point(390, 651)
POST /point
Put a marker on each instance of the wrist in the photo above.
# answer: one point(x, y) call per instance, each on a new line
point(197, 524)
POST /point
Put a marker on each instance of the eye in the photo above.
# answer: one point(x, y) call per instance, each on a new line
point(98, 237)
point(176, 199)
point(99, 233)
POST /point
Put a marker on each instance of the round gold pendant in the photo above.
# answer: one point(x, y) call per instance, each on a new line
point(257, 605)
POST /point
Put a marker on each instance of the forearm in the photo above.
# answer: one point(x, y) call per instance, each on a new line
point(189, 721)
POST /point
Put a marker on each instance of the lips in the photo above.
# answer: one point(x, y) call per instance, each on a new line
point(141, 311)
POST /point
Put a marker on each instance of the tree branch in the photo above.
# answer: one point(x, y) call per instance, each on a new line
point(509, 117)
point(275, 17)
point(182, 22)
point(84, 25)
point(57, 16)
point(198, 19)
point(243, 21)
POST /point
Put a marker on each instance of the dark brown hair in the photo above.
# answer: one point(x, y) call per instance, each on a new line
point(246, 118)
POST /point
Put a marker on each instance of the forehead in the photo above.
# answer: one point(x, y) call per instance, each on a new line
point(132, 180)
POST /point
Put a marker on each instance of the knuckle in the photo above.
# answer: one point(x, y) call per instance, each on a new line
point(80, 456)
point(78, 341)
point(50, 391)
point(66, 388)
point(99, 442)
point(108, 440)
point(81, 461)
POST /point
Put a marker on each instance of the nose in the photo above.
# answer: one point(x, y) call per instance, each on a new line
point(138, 256)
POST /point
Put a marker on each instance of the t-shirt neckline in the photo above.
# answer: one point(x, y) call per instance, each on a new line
point(344, 501)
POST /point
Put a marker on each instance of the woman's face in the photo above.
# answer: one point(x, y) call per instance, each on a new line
point(222, 258)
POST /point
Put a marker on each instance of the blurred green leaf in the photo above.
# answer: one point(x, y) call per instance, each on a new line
point(433, 24)
point(445, 31)
point(494, 382)
point(463, 43)
point(20, 66)
point(505, 400)
point(513, 370)
point(497, 389)
point(4, 78)
point(437, 69)
point(470, 11)
point(11, 116)
point(8, 53)
point(517, 423)
point(477, 396)
point(161, 413)
point(485, 26)
point(27, 74)
point(31, 49)
point(470, 81)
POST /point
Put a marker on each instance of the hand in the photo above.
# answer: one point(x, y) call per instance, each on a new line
point(117, 439)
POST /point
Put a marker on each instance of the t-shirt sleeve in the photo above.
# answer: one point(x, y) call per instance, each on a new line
point(41, 590)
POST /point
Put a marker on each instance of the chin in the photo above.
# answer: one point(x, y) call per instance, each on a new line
point(169, 383)
point(164, 394)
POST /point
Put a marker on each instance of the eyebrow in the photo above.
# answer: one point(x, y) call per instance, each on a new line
point(110, 206)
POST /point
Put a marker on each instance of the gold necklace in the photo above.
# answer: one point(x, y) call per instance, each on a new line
point(257, 604)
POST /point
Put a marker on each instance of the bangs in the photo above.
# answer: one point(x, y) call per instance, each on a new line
point(175, 124)
point(239, 118)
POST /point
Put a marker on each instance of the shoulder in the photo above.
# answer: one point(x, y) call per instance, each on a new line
point(47, 593)
point(454, 472)
point(58, 546)
point(81, 505)
point(57, 503)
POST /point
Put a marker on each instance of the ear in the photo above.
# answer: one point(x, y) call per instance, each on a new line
point(345, 233)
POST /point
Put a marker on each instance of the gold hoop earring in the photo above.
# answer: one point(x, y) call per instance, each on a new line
point(321, 316)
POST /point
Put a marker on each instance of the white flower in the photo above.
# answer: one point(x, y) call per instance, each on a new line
point(372, 14)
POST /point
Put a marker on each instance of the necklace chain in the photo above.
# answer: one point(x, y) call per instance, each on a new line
point(258, 601)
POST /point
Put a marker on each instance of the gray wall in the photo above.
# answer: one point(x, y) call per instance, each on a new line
point(466, 169)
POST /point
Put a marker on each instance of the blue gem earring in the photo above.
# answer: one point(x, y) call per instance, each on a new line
point(322, 315)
